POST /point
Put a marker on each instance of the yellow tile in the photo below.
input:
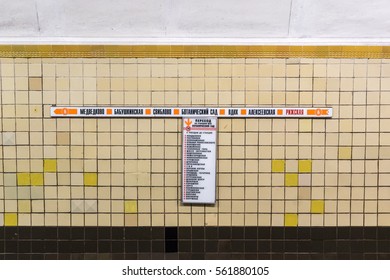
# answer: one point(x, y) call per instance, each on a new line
point(36, 179)
point(345, 152)
point(24, 206)
point(291, 180)
point(317, 206)
point(10, 219)
point(278, 165)
point(50, 165)
point(90, 179)
point(130, 206)
point(23, 179)
point(304, 166)
point(291, 220)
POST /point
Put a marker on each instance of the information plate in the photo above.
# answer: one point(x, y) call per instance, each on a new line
point(199, 160)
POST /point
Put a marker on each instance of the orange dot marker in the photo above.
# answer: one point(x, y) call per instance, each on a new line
point(148, 111)
point(318, 112)
point(222, 111)
point(176, 112)
point(280, 111)
point(65, 111)
point(243, 111)
point(109, 111)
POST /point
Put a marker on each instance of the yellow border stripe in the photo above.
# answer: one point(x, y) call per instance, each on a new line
point(192, 51)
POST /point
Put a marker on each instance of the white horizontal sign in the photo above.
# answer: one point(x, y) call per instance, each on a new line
point(178, 112)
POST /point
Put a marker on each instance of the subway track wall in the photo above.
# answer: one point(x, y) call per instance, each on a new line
point(111, 188)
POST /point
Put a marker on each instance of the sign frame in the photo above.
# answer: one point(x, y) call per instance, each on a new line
point(214, 188)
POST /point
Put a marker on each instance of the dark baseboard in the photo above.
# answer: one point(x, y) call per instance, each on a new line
point(195, 243)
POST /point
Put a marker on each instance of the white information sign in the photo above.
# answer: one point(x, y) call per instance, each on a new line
point(199, 159)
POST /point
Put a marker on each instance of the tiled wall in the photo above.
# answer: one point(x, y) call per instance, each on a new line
point(111, 188)
point(127, 172)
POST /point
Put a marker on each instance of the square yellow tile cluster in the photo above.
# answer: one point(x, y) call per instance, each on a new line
point(24, 179)
point(50, 165)
point(291, 220)
point(131, 206)
point(291, 180)
point(317, 206)
point(304, 166)
point(11, 219)
point(90, 179)
point(277, 165)
point(36, 179)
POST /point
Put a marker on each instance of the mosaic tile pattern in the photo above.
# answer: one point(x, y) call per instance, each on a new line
point(126, 172)
point(193, 51)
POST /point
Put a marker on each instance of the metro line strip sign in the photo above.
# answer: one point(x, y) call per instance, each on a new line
point(180, 112)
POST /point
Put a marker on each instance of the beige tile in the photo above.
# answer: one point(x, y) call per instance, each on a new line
point(35, 83)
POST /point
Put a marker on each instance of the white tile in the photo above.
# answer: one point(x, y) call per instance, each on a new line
point(77, 206)
point(24, 193)
point(304, 180)
point(10, 193)
point(8, 138)
point(9, 179)
point(91, 206)
point(37, 193)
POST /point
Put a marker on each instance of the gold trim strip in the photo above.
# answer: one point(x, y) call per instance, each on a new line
point(192, 51)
